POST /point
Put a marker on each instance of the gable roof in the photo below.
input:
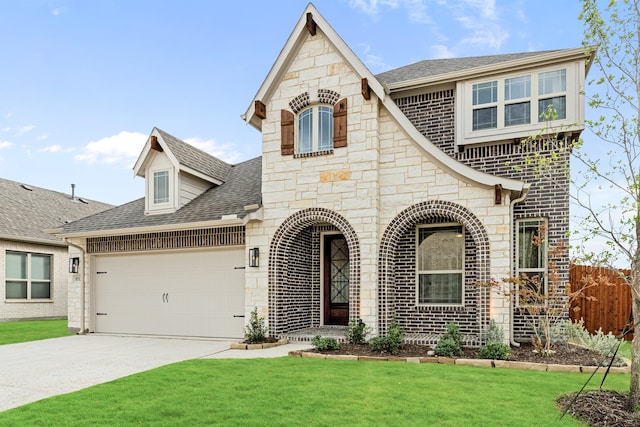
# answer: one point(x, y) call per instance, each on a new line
point(26, 211)
point(286, 57)
point(437, 71)
point(242, 188)
point(435, 67)
point(185, 157)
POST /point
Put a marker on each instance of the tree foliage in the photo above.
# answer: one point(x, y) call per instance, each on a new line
point(608, 183)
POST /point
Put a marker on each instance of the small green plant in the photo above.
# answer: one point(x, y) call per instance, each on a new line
point(494, 346)
point(450, 343)
point(392, 342)
point(255, 331)
point(321, 343)
point(357, 333)
point(495, 351)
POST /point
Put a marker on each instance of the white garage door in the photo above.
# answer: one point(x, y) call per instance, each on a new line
point(198, 294)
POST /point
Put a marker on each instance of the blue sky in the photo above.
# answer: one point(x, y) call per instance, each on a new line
point(83, 83)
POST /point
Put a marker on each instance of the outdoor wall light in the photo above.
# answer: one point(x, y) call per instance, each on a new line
point(254, 257)
point(74, 265)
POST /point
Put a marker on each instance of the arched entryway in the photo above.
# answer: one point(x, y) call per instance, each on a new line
point(310, 248)
point(397, 272)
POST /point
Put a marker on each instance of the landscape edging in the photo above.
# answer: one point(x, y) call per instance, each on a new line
point(548, 367)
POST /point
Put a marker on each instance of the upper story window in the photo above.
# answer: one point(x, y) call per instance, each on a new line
point(315, 124)
point(315, 129)
point(28, 276)
point(161, 187)
point(440, 264)
point(515, 106)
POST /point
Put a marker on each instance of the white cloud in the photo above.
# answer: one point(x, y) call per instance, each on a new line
point(5, 144)
point(441, 52)
point(122, 149)
point(224, 152)
point(42, 137)
point(55, 148)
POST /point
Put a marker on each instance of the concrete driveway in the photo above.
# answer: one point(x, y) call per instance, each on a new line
point(35, 370)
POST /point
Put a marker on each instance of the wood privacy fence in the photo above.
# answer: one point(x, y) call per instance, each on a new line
point(606, 302)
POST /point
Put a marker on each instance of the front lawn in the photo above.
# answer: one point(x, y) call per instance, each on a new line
point(31, 330)
point(291, 391)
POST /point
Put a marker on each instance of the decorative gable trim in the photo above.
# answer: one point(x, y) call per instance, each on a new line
point(311, 24)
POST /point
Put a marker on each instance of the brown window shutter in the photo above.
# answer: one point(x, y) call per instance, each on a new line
point(287, 135)
point(340, 124)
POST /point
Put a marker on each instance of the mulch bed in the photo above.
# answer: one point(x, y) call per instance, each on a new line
point(564, 355)
point(596, 408)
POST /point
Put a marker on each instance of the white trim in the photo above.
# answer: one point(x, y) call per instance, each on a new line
point(545, 249)
point(574, 120)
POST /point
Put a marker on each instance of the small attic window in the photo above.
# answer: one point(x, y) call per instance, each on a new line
point(26, 187)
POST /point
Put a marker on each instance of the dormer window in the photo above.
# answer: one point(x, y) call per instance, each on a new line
point(315, 129)
point(160, 187)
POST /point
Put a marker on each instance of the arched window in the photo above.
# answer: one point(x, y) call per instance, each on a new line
point(315, 129)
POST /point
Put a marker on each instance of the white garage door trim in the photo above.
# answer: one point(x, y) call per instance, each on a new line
point(177, 293)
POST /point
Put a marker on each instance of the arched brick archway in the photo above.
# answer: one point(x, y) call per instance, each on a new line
point(290, 246)
point(425, 212)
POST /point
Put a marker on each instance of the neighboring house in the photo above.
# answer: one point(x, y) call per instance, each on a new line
point(34, 265)
point(376, 197)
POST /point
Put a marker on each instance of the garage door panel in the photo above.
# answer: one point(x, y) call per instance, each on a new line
point(188, 293)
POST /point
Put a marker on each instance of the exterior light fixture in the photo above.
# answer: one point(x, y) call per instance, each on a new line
point(254, 257)
point(74, 265)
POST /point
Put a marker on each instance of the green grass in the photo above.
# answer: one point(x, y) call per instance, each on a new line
point(290, 391)
point(31, 330)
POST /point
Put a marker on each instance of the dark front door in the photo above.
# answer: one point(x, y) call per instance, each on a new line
point(336, 280)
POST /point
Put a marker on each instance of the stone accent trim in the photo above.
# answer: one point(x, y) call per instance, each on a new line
point(183, 239)
point(290, 255)
point(325, 96)
point(433, 211)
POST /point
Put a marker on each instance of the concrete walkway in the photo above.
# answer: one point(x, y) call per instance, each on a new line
point(39, 369)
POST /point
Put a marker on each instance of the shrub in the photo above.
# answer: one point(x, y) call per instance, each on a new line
point(392, 342)
point(494, 350)
point(494, 346)
point(357, 333)
point(492, 333)
point(450, 343)
point(325, 343)
point(255, 331)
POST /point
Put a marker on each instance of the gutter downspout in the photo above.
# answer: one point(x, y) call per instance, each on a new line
point(82, 284)
point(523, 196)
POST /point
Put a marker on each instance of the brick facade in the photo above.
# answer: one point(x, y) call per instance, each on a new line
point(548, 197)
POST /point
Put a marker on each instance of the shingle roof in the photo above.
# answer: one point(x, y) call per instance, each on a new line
point(194, 158)
point(434, 67)
point(242, 188)
point(25, 211)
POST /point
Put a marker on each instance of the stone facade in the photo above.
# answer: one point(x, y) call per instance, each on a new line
point(374, 191)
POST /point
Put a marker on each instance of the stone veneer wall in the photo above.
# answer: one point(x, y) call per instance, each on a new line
point(360, 189)
point(432, 114)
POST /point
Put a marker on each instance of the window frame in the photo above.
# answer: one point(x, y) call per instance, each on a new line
point(574, 105)
point(29, 280)
point(318, 112)
point(154, 188)
point(543, 259)
point(461, 271)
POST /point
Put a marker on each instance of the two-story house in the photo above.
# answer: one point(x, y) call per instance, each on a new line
point(376, 197)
